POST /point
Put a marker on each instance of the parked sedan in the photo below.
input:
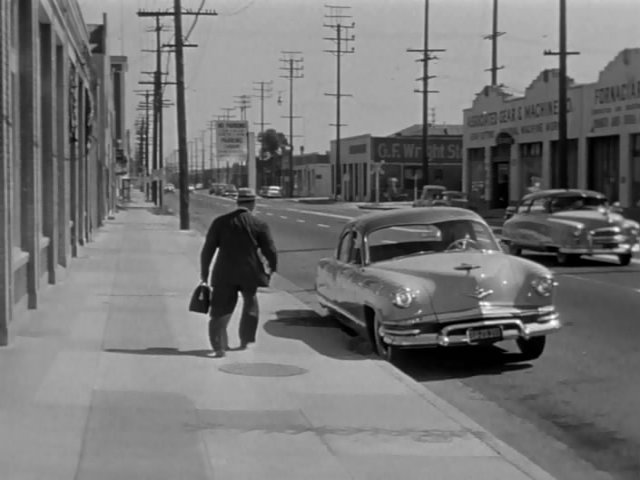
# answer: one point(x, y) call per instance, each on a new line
point(435, 277)
point(571, 223)
point(272, 191)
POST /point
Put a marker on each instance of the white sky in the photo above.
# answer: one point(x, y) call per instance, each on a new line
point(243, 45)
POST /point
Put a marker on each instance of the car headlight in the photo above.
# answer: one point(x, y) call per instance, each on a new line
point(577, 231)
point(633, 228)
point(543, 285)
point(403, 298)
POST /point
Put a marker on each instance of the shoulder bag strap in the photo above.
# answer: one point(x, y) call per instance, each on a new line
point(261, 257)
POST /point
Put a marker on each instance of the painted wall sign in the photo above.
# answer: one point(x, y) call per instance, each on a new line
point(401, 150)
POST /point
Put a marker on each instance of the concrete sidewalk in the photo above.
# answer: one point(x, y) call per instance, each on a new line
point(112, 378)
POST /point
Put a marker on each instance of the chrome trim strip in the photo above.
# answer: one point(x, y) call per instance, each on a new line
point(513, 329)
point(328, 304)
point(486, 312)
point(598, 251)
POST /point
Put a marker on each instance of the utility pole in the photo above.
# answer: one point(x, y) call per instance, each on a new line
point(146, 107)
point(177, 14)
point(341, 39)
point(265, 89)
point(426, 58)
point(243, 102)
point(211, 125)
point(561, 163)
point(292, 65)
point(202, 158)
point(494, 46)
point(227, 112)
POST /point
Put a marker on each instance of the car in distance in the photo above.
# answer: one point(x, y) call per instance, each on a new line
point(448, 198)
point(230, 191)
point(191, 188)
point(435, 277)
point(216, 189)
point(272, 191)
point(169, 188)
point(570, 223)
point(430, 194)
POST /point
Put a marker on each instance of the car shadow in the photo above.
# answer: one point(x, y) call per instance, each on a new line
point(323, 334)
point(426, 365)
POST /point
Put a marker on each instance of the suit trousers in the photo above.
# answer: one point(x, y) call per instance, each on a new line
point(224, 299)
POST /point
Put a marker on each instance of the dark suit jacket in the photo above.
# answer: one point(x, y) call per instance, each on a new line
point(237, 263)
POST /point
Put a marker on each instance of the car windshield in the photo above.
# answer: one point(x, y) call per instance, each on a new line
point(578, 202)
point(448, 236)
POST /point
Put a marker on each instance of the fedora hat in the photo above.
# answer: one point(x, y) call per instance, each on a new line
point(246, 195)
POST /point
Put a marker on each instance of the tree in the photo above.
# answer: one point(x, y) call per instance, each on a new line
point(273, 143)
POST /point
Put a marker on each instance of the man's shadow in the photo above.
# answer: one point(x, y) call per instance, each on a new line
point(165, 351)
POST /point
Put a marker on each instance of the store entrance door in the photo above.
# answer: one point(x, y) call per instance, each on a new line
point(500, 182)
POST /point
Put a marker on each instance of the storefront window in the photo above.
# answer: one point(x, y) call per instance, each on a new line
point(604, 166)
point(477, 174)
point(635, 170)
point(530, 167)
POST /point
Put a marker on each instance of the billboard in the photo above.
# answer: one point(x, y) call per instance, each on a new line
point(231, 138)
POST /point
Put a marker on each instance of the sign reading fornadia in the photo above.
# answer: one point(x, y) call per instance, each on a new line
point(231, 138)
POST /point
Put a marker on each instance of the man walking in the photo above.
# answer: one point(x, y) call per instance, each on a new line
point(236, 237)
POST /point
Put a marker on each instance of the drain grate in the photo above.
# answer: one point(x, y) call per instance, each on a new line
point(262, 369)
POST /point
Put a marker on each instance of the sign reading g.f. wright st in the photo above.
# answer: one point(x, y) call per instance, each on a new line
point(231, 139)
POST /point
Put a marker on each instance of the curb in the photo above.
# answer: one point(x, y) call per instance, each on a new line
point(511, 455)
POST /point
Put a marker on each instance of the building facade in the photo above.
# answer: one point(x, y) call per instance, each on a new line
point(393, 164)
point(312, 175)
point(49, 148)
point(510, 143)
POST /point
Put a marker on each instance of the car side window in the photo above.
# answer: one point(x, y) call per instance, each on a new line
point(344, 249)
point(355, 256)
point(539, 205)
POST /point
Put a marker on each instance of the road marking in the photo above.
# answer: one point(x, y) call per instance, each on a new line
point(599, 282)
point(282, 216)
point(322, 214)
point(322, 225)
point(300, 220)
point(268, 213)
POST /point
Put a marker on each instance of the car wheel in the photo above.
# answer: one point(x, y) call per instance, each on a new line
point(385, 351)
point(567, 258)
point(625, 259)
point(531, 348)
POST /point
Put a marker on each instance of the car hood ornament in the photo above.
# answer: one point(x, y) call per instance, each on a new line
point(480, 293)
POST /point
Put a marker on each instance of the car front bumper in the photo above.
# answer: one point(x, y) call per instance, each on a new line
point(514, 324)
point(622, 249)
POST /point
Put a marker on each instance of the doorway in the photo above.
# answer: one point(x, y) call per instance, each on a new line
point(500, 182)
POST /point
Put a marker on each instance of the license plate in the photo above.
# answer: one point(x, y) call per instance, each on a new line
point(484, 334)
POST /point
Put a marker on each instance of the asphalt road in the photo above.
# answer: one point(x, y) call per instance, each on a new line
point(574, 411)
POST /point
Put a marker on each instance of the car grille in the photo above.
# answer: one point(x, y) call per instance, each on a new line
point(608, 237)
point(605, 232)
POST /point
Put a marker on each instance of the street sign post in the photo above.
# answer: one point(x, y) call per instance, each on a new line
point(377, 170)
